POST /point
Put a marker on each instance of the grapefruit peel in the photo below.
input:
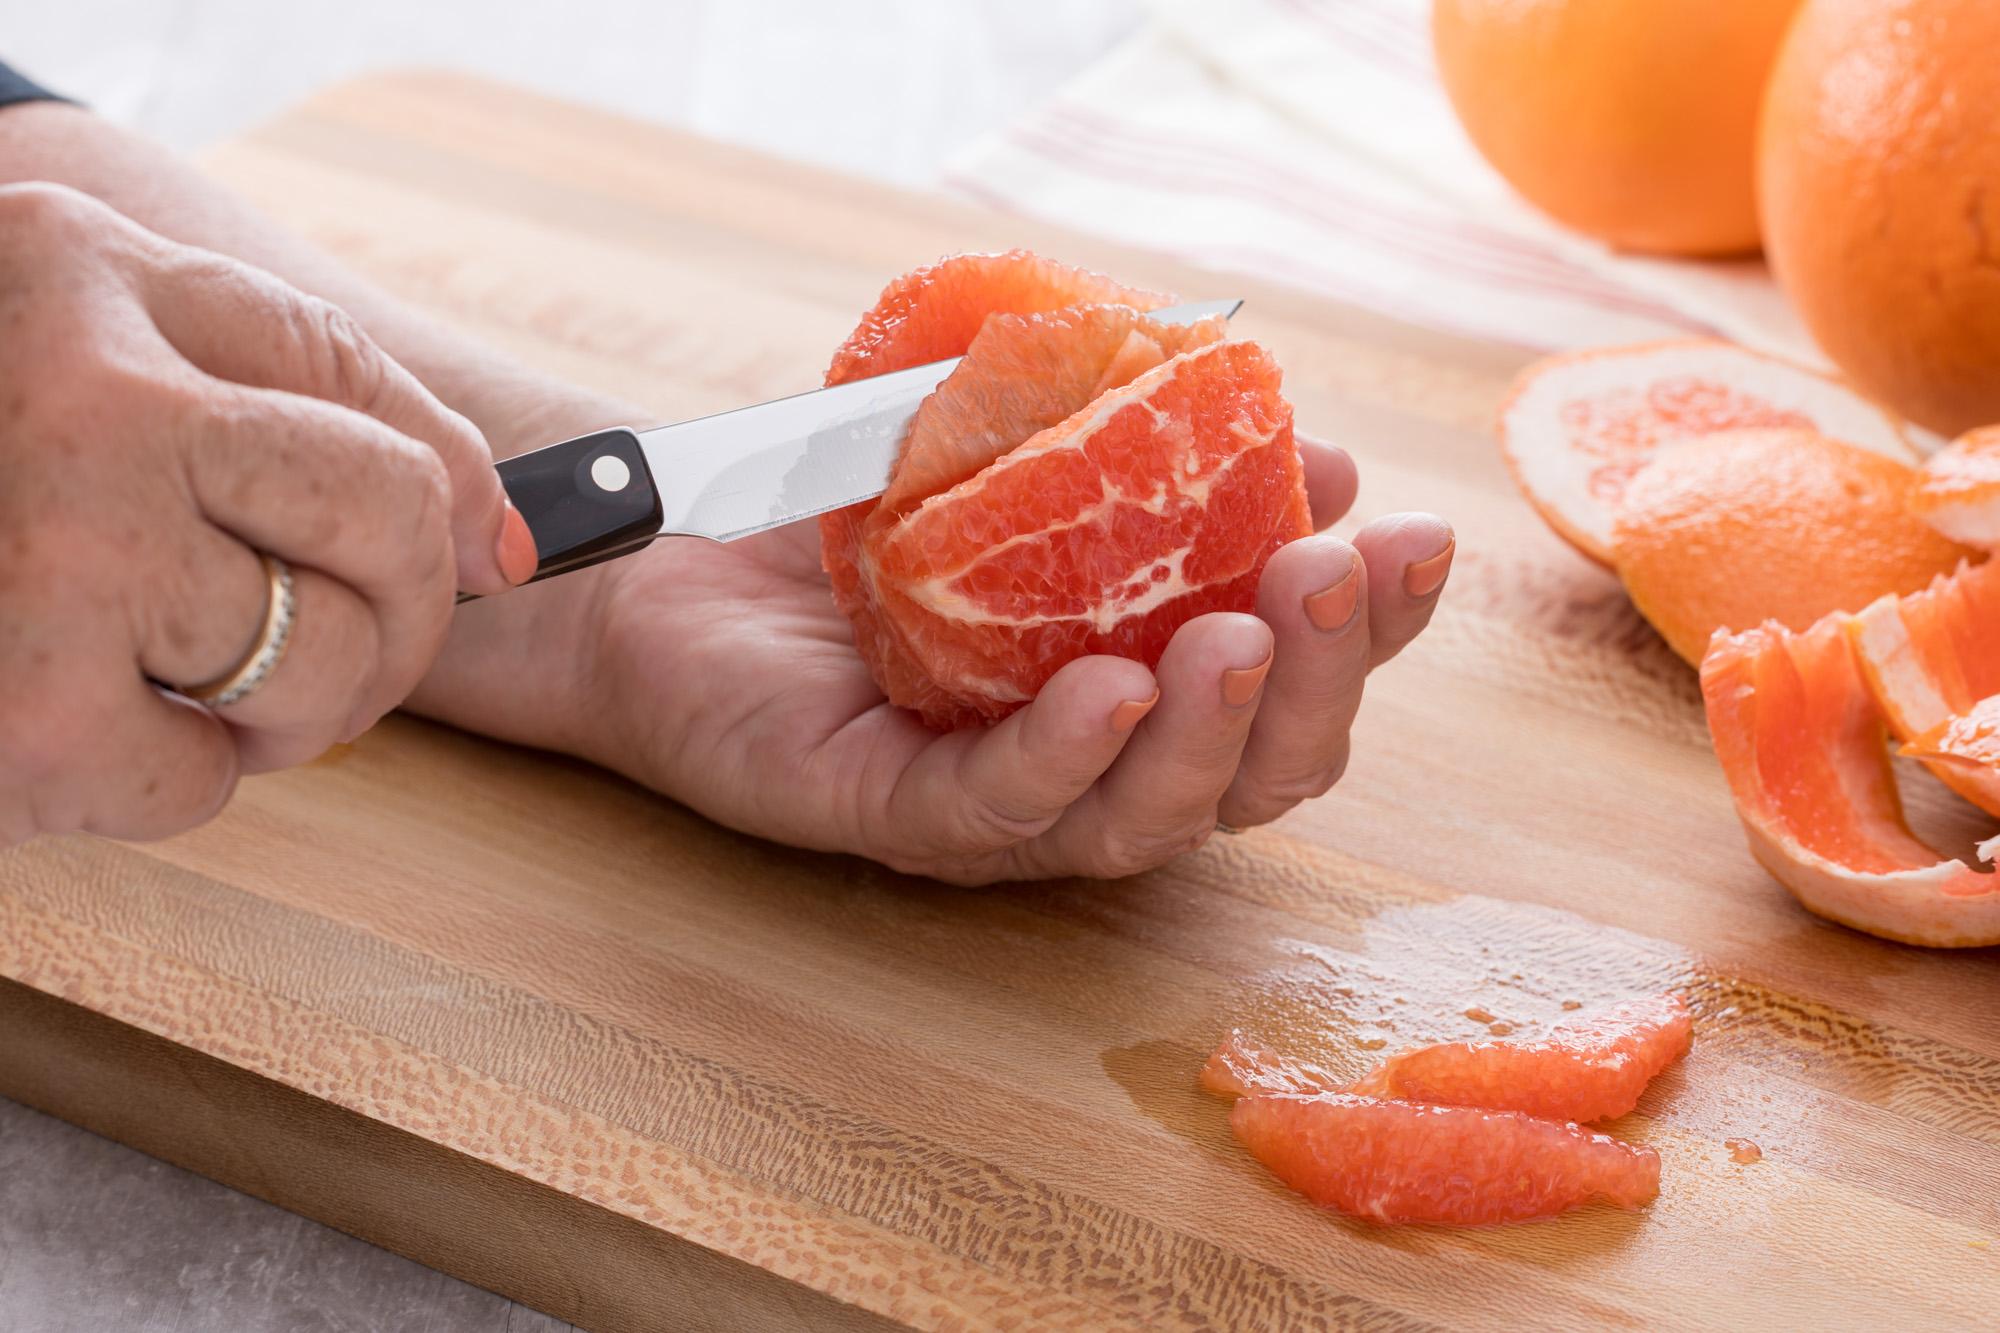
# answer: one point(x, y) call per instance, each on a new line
point(1931, 660)
point(1958, 492)
point(1574, 429)
point(1802, 743)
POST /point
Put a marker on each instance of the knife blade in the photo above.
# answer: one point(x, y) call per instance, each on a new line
point(732, 474)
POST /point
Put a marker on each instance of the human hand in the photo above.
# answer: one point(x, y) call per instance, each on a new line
point(167, 414)
point(725, 677)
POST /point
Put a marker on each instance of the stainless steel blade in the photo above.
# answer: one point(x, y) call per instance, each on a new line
point(735, 473)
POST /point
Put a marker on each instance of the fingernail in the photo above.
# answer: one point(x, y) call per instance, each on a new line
point(1126, 715)
point(1240, 687)
point(518, 556)
point(1424, 577)
point(1333, 606)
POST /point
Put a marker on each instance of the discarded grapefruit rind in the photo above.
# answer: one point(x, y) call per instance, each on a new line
point(1958, 491)
point(1052, 510)
point(1932, 657)
point(1575, 429)
point(1741, 527)
point(1593, 1067)
point(1802, 744)
point(1388, 1161)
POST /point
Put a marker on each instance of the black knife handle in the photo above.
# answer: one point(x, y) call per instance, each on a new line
point(585, 500)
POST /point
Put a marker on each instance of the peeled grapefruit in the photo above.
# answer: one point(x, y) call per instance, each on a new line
point(1575, 429)
point(1802, 744)
point(1958, 491)
point(1932, 658)
point(1736, 529)
point(1388, 1161)
point(1592, 1067)
point(1086, 481)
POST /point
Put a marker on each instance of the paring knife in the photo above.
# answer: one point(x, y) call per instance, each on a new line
point(726, 476)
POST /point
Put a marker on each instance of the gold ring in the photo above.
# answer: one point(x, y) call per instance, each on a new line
point(1231, 829)
point(246, 676)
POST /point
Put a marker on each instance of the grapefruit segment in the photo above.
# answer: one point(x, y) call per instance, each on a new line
point(1931, 658)
point(1590, 1068)
point(1085, 481)
point(1802, 744)
point(1575, 429)
point(1959, 491)
point(1737, 528)
point(931, 313)
point(1969, 742)
point(1387, 1161)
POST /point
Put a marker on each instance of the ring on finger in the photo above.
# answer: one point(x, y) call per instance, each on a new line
point(1230, 829)
point(256, 665)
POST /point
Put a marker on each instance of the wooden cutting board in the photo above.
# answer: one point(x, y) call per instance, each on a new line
point(532, 1025)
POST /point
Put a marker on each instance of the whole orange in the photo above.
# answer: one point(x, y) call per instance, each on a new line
point(1632, 120)
point(1879, 180)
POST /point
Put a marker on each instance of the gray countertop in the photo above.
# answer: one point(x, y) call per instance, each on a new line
point(97, 1237)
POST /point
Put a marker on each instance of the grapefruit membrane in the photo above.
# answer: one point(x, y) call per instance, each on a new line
point(1575, 429)
point(1085, 481)
point(1802, 743)
point(1389, 1161)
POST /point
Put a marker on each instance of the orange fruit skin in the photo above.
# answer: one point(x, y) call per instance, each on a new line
point(1590, 1068)
point(1802, 744)
point(1041, 510)
point(1631, 120)
point(1387, 1161)
point(1879, 185)
point(1741, 527)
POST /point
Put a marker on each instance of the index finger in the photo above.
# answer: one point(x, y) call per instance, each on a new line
point(239, 323)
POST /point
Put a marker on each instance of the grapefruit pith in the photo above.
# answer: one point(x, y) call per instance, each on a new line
point(1086, 481)
point(1958, 489)
point(1931, 658)
point(1802, 744)
point(1575, 429)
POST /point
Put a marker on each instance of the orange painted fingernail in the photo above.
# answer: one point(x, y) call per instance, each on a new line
point(1126, 715)
point(1333, 606)
point(1239, 687)
point(1424, 577)
point(517, 553)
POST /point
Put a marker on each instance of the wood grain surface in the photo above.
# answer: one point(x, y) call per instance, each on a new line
point(541, 1029)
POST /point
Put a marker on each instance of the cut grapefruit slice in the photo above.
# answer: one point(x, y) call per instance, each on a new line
point(1387, 1161)
point(1959, 493)
point(1732, 530)
point(1590, 1068)
point(1970, 742)
point(1931, 658)
point(1801, 741)
point(1575, 429)
point(1045, 508)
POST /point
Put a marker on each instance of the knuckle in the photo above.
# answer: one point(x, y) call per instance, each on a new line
point(1123, 852)
point(41, 206)
point(987, 823)
point(342, 359)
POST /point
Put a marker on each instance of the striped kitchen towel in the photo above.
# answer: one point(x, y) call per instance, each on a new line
point(1309, 142)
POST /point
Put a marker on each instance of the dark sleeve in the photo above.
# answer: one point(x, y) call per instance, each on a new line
point(15, 88)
